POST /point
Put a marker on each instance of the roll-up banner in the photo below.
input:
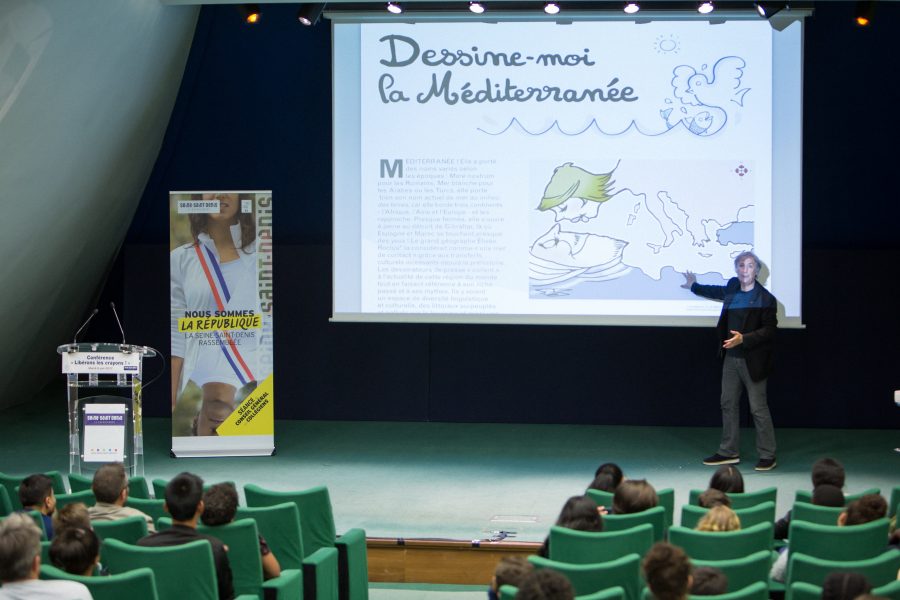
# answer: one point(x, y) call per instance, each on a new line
point(220, 245)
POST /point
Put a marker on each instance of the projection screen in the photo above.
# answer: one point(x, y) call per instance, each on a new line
point(550, 172)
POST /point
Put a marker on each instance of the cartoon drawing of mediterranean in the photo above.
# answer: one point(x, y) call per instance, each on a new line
point(594, 239)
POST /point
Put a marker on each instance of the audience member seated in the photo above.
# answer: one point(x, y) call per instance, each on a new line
point(71, 515)
point(220, 506)
point(545, 584)
point(719, 518)
point(511, 570)
point(667, 570)
point(870, 507)
point(845, 586)
point(580, 513)
point(828, 471)
point(607, 478)
point(110, 487)
point(728, 479)
point(75, 550)
point(184, 502)
point(634, 496)
point(823, 495)
point(20, 565)
point(825, 471)
point(709, 581)
point(36, 493)
point(713, 497)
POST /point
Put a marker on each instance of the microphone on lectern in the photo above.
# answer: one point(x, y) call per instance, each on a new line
point(83, 325)
point(112, 305)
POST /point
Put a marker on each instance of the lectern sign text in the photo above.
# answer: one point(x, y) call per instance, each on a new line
point(101, 362)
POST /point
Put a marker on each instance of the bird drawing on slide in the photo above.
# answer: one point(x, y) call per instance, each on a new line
point(713, 94)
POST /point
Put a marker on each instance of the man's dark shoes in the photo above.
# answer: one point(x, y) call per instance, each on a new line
point(718, 459)
point(765, 464)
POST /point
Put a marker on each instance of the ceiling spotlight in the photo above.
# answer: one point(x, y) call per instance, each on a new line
point(394, 8)
point(704, 8)
point(631, 7)
point(251, 13)
point(551, 8)
point(768, 9)
point(864, 12)
point(476, 7)
point(308, 14)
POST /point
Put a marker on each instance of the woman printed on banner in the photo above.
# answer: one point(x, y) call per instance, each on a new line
point(216, 271)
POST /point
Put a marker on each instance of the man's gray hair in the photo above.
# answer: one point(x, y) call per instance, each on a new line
point(20, 542)
point(748, 254)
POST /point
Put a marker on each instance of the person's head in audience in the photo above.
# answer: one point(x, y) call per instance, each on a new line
point(709, 581)
point(220, 504)
point(184, 499)
point(580, 512)
point(870, 507)
point(511, 570)
point(20, 548)
point(75, 550)
point(70, 516)
point(827, 495)
point(828, 470)
point(845, 586)
point(36, 493)
point(545, 584)
point(634, 496)
point(607, 478)
point(719, 518)
point(713, 497)
point(603, 482)
point(667, 570)
point(110, 484)
point(728, 479)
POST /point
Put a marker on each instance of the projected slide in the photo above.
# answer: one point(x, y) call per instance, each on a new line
point(525, 172)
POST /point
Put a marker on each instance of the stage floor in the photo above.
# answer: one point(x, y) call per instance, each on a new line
point(464, 481)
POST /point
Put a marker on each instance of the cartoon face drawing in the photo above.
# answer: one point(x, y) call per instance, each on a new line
point(576, 210)
point(574, 249)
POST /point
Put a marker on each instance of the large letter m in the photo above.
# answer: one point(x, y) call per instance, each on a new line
point(391, 170)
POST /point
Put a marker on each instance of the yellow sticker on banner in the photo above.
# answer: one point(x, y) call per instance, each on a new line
point(255, 415)
point(220, 323)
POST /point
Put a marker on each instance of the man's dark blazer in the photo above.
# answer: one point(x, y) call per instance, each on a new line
point(759, 326)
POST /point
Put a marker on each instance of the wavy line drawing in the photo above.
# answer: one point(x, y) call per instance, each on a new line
point(555, 125)
point(704, 95)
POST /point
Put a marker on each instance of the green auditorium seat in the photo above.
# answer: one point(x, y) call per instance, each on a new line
point(832, 542)
point(242, 539)
point(880, 570)
point(128, 530)
point(655, 516)
point(811, 513)
point(743, 571)
point(752, 515)
point(744, 500)
point(720, 545)
point(138, 584)
point(86, 497)
point(591, 578)
point(318, 531)
point(581, 547)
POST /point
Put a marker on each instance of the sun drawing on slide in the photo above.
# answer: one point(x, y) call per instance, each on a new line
point(667, 44)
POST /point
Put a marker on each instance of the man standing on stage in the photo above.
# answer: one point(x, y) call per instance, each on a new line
point(746, 329)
